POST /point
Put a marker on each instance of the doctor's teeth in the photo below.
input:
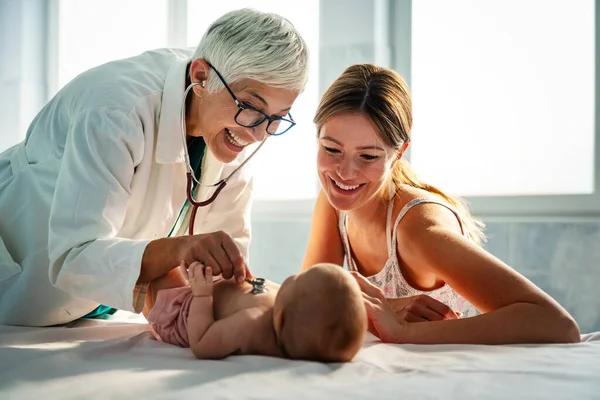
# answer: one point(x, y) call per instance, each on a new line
point(345, 187)
point(235, 140)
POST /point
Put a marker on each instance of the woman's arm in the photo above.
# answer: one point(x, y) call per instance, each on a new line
point(515, 310)
point(324, 244)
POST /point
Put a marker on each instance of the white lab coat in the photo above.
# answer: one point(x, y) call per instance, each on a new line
point(99, 175)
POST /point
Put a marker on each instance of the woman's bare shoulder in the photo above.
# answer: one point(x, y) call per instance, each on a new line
point(425, 214)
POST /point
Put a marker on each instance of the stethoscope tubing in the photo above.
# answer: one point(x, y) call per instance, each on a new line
point(190, 172)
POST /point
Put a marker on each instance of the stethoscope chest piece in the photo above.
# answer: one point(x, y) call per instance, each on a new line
point(258, 285)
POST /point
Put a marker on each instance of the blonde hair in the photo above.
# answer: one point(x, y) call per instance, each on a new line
point(383, 97)
point(325, 320)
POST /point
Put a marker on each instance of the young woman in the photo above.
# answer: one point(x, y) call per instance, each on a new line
point(414, 249)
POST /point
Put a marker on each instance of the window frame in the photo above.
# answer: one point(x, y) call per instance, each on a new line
point(580, 205)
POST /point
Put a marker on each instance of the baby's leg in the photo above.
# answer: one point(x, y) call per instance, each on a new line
point(171, 280)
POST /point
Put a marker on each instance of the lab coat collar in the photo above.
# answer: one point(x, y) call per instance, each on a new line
point(169, 147)
point(169, 143)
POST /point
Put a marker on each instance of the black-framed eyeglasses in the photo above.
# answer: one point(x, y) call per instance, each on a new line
point(249, 117)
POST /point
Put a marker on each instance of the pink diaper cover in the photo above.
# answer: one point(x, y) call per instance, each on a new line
point(168, 317)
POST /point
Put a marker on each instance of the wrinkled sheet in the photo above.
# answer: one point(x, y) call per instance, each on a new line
point(119, 359)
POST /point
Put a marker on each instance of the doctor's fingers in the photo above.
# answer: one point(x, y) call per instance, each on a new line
point(248, 273)
point(222, 248)
point(207, 249)
point(209, 261)
point(222, 265)
point(238, 266)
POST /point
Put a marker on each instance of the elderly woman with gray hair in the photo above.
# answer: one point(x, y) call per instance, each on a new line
point(94, 201)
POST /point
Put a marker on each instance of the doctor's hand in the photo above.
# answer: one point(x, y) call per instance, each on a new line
point(216, 250)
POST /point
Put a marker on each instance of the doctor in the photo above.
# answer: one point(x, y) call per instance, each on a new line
point(93, 202)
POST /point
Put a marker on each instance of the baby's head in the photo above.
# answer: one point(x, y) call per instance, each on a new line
point(319, 315)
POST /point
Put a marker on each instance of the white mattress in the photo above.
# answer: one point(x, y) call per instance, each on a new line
point(118, 359)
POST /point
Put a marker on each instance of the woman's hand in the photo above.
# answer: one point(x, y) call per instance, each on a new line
point(383, 321)
point(421, 308)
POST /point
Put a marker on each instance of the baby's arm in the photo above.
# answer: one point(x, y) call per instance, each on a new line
point(209, 338)
point(201, 314)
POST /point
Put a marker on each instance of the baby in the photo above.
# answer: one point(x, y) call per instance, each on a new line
point(316, 315)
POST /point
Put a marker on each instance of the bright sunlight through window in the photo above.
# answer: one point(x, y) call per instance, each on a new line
point(91, 33)
point(504, 96)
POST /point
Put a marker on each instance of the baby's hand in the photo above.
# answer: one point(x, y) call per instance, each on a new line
point(201, 280)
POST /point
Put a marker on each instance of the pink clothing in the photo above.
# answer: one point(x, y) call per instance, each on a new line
point(169, 315)
point(390, 279)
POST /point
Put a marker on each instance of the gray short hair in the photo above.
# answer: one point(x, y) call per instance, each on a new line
point(249, 44)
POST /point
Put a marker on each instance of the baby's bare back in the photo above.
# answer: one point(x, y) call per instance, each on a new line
point(229, 297)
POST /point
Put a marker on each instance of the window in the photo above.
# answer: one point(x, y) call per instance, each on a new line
point(285, 167)
point(504, 103)
point(90, 33)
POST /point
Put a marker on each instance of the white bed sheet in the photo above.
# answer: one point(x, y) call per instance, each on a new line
point(119, 359)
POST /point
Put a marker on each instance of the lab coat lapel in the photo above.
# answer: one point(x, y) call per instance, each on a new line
point(169, 148)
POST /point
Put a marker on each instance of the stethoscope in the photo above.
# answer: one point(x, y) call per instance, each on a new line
point(258, 285)
point(191, 177)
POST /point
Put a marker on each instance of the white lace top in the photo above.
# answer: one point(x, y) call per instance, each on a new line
point(390, 278)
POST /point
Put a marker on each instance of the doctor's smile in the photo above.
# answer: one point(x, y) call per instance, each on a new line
point(235, 140)
point(241, 113)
